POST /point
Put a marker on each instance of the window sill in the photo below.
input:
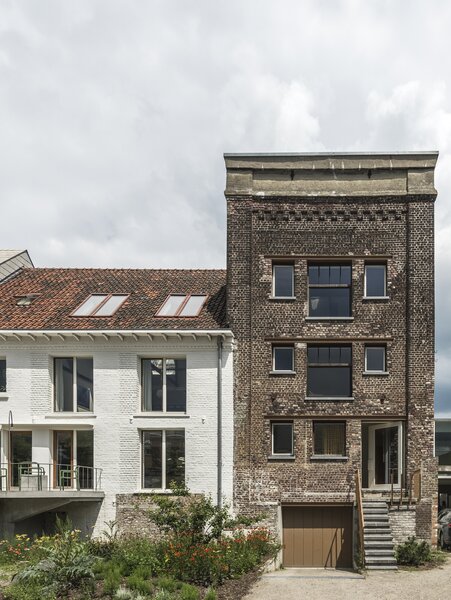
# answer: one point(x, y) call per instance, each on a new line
point(330, 398)
point(330, 457)
point(289, 298)
point(71, 415)
point(329, 318)
point(384, 298)
point(376, 373)
point(161, 415)
point(3, 396)
point(281, 457)
point(282, 372)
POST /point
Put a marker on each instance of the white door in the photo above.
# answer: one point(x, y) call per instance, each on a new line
point(385, 455)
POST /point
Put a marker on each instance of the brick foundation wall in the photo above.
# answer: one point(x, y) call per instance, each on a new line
point(402, 523)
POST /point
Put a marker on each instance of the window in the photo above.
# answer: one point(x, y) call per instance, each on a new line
point(100, 305)
point(26, 300)
point(375, 281)
point(283, 359)
point(329, 373)
point(282, 281)
point(74, 384)
point(164, 384)
point(2, 375)
point(163, 458)
point(182, 305)
point(329, 290)
point(329, 438)
point(282, 438)
point(375, 361)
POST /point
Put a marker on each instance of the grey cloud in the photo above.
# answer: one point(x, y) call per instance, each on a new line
point(114, 115)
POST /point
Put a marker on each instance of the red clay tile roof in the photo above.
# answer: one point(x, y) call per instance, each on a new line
point(61, 291)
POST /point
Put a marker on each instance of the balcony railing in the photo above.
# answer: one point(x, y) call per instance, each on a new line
point(38, 477)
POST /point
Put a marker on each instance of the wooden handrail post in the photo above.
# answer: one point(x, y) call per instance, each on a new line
point(392, 481)
point(359, 502)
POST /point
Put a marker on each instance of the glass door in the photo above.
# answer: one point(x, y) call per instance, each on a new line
point(20, 455)
point(385, 454)
point(63, 459)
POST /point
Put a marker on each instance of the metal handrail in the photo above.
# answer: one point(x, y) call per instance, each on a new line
point(359, 501)
point(34, 476)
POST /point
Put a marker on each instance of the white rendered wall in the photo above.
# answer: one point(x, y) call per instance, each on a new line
point(117, 418)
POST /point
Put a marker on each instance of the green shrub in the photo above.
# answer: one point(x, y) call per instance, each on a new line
point(196, 517)
point(189, 592)
point(210, 595)
point(66, 563)
point(27, 591)
point(136, 582)
point(168, 584)
point(111, 578)
point(132, 553)
point(413, 553)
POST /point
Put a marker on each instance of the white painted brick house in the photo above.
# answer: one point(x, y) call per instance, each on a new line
point(103, 404)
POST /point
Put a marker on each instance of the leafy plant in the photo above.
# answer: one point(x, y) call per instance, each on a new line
point(413, 552)
point(189, 592)
point(194, 516)
point(210, 595)
point(66, 563)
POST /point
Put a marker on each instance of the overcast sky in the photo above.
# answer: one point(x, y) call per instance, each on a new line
point(114, 116)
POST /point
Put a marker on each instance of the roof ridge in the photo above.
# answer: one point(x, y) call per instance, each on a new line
point(114, 269)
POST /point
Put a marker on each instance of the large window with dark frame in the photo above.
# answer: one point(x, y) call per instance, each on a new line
point(163, 458)
point(329, 289)
point(329, 371)
point(74, 384)
point(329, 438)
point(282, 438)
point(2, 375)
point(163, 384)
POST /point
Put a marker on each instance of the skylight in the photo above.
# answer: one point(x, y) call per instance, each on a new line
point(25, 300)
point(100, 305)
point(182, 305)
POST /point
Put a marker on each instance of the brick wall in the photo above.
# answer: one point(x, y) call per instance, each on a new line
point(354, 229)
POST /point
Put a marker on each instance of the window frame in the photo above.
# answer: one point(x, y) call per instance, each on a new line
point(328, 456)
point(273, 362)
point(349, 286)
point(178, 312)
point(331, 365)
point(375, 264)
point(74, 386)
point(5, 391)
point(93, 314)
point(274, 265)
point(282, 454)
point(164, 410)
point(374, 371)
point(163, 431)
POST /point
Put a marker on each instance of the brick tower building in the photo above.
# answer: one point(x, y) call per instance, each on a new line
point(330, 266)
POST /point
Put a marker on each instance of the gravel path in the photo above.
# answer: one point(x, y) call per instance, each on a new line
point(318, 584)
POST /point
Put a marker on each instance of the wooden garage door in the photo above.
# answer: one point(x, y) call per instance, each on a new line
point(317, 536)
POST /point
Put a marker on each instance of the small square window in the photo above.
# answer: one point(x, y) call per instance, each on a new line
point(329, 438)
point(282, 438)
point(375, 281)
point(283, 358)
point(2, 375)
point(282, 281)
point(375, 359)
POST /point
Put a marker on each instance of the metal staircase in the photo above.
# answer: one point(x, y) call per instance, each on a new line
point(377, 539)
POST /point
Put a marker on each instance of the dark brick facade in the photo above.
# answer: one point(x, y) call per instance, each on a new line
point(285, 208)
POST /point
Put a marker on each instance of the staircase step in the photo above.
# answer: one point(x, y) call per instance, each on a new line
point(373, 503)
point(382, 567)
point(385, 551)
point(382, 544)
point(375, 516)
point(380, 560)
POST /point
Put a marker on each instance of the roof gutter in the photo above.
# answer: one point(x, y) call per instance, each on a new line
point(136, 334)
